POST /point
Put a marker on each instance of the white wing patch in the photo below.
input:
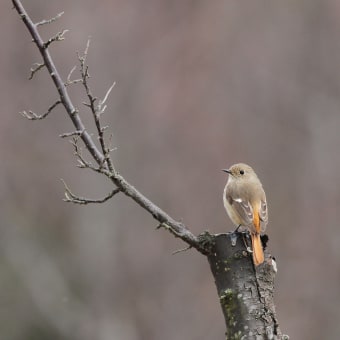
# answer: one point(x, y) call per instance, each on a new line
point(244, 209)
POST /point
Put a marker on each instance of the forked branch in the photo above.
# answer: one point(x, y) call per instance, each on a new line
point(101, 155)
point(73, 198)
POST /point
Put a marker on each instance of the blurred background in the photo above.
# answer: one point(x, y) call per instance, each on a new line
point(200, 85)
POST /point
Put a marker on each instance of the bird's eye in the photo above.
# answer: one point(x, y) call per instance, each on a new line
point(242, 172)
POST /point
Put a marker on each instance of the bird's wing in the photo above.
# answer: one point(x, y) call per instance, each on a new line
point(263, 212)
point(244, 209)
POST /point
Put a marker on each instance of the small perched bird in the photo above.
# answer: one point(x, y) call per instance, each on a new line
point(245, 202)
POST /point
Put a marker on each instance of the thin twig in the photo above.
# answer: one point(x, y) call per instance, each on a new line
point(61, 88)
point(58, 37)
point(84, 56)
point(71, 197)
point(98, 110)
point(181, 250)
point(30, 115)
point(101, 105)
point(49, 21)
point(69, 81)
point(71, 134)
point(37, 67)
point(82, 163)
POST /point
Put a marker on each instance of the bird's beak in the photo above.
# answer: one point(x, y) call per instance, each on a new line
point(227, 171)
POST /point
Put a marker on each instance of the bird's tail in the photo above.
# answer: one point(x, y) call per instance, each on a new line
point(258, 255)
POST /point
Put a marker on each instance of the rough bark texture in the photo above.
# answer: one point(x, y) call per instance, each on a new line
point(245, 292)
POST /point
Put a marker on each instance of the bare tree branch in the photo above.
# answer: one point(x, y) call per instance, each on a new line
point(37, 67)
point(44, 22)
point(101, 105)
point(82, 163)
point(102, 157)
point(71, 197)
point(96, 110)
point(69, 81)
point(58, 37)
point(181, 250)
point(33, 116)
point(71, 134)
point(61, 88)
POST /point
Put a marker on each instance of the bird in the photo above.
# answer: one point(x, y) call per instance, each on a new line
point(245, 202)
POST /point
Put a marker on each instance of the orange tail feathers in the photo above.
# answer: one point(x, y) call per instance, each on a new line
point(258, 255)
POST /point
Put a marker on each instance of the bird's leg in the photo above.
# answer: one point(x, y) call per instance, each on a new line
point(249, 250)
point(237, 228)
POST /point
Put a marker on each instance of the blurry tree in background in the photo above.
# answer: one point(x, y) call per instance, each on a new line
point(200, 85)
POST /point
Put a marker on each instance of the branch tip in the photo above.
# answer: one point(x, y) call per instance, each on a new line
point(58, 37)
point(69, 81)
point(82, 58)
point(30, 115)
point(37, 67)
point(71, 197)
point(181, 250)
point(102, 102)
point(87, 46)
point(49, 21)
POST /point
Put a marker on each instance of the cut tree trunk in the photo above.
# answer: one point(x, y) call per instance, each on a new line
point(245, 291)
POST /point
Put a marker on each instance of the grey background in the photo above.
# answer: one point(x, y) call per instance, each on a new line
point(200, 85)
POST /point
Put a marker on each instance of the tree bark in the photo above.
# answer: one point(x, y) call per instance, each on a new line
point(245, 291)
